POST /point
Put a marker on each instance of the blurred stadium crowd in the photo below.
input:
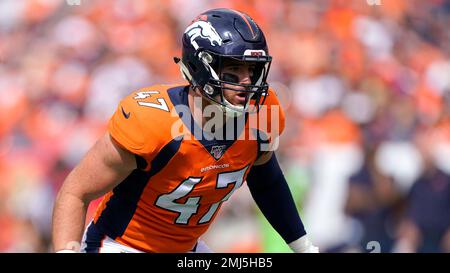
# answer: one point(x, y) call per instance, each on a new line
point(366, 89)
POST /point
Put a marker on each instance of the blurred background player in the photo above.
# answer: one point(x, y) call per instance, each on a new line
point(164, 187)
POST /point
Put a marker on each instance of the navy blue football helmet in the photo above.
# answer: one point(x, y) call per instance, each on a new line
point(215, 36)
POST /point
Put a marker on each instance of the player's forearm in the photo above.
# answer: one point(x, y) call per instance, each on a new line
point(278, 207)
point(273, 197)
point(102, 169)
point(69, 216)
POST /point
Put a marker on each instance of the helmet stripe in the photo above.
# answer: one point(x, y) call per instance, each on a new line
point(246, 21)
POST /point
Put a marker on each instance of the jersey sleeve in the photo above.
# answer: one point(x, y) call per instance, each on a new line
point(140, 129)
point(125, 128)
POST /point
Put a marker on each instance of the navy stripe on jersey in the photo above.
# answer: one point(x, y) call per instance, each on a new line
point(123, 203)
point(179, 96)
point(141, 163)
point(94, 238)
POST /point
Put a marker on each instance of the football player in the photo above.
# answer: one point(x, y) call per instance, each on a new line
point(164, 171)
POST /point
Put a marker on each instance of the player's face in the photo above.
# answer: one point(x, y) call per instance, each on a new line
point(236, 72)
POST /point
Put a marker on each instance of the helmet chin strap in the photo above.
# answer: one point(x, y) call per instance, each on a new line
point(229, 110)
point(232, 110)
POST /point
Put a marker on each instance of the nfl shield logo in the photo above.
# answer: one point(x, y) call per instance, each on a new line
point(217, 151)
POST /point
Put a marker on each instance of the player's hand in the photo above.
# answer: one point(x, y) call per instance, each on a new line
point(303, 245)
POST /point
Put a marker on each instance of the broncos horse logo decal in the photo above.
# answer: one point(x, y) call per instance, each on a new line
point(203, 30)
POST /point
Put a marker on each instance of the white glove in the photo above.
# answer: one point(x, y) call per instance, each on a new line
point(67, 251)
point(303, 245)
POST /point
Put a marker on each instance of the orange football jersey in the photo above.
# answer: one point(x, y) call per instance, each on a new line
point(168, 203)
